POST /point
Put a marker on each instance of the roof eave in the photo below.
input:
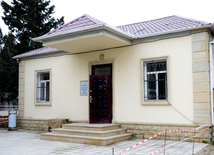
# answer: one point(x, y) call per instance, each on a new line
point(24, 56)
point(85, 29)
point(175, 31)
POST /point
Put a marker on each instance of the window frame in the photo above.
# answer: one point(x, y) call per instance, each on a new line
point(143, 86)
point(43, 102)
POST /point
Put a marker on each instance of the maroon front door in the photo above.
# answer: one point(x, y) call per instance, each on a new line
point(100, 99)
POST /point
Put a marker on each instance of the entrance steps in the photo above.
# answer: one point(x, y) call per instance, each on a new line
point(95, 134)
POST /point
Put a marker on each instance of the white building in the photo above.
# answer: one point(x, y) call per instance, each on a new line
point(146, 76)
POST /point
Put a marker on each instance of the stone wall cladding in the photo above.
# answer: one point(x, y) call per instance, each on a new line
point(33, 124)
point(21, 100)
point(146, 131)
point(201, 79)
point(139, 131)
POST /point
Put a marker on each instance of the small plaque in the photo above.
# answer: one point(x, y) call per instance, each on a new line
point(83, 88)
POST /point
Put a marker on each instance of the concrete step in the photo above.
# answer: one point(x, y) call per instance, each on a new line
point(86, 139)
point(93, 127)
point(91, 133)
point(95, 134)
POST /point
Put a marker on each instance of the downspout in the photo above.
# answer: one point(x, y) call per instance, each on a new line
point(211, 88)
point(211, 80)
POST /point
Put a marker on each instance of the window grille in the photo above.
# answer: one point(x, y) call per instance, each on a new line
point(102, 69)
point(43, 87)
point(155, 80)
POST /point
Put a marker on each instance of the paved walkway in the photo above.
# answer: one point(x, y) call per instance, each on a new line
point(24, 142)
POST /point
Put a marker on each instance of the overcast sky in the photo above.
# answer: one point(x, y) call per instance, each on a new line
point(120, 12)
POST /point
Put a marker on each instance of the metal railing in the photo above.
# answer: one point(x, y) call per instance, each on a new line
point(4, 106)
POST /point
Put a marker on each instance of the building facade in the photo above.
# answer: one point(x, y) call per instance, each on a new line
point(158, 79)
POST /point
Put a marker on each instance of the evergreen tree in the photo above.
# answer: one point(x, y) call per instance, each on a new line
point(28, 19)
point(25, 19)
point(8, 71)
point(1, 68)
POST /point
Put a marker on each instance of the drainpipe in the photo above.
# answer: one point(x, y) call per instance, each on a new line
point(211, 87)
point(211, 79)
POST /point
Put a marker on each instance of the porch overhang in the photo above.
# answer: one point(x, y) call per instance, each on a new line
point(90, 38)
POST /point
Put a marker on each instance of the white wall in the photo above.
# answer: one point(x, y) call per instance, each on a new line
point(69, 70)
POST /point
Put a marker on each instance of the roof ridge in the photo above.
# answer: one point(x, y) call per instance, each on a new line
point(97, 21)
point(64, 25)
point(147, 21)
point(191, 19)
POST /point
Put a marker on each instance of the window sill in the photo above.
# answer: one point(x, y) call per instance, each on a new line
point(43, 103)
point(155, 103)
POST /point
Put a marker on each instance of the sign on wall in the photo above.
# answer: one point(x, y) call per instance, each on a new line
point(83, 88)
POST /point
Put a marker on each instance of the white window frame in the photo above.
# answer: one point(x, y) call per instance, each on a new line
point(39, 85)
point(156, 78)
point(38, 92)
point(144, 73)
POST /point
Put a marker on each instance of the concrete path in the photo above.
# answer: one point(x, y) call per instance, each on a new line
point(24, 142)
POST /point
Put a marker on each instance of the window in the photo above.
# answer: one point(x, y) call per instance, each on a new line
point(43, 87)
point(155, 80)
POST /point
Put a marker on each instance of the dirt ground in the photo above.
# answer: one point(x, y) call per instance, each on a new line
point(206, 151)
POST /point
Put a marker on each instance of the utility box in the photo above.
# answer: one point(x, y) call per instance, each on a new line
point(12, 120)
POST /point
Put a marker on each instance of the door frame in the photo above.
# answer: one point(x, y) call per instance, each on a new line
point(102, 62)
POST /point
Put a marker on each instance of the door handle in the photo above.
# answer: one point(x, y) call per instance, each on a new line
point(91, 99)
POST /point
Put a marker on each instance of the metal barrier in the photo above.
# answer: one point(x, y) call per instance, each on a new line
point(8, 107)
point(4, 106)
point(208, 125)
